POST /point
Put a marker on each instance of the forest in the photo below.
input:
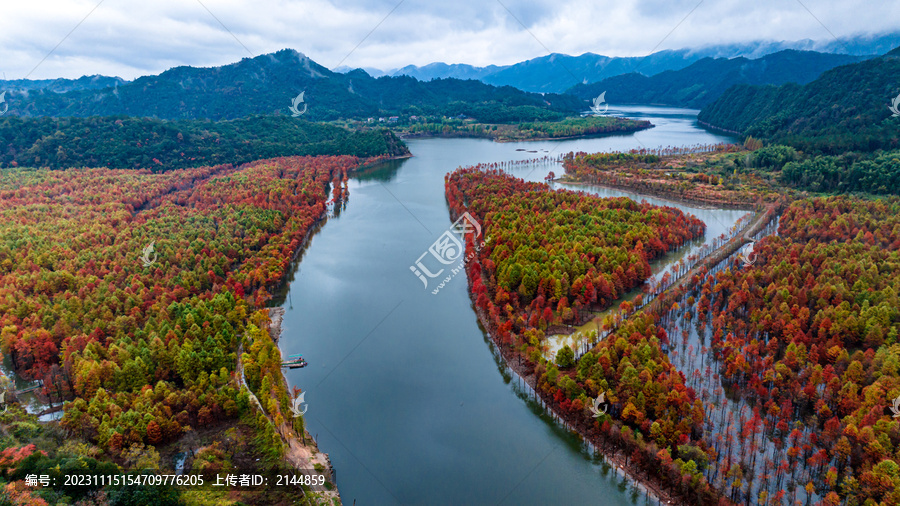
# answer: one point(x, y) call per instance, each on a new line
point(845, 109)
point(711, 174)
point(739, 174)
point(568, 127)
point(158, 145)
point(552, 253)
point(573, 127)
point(703, 81)
point(154, 330)
point(877, 173)
point(593, 250)
point(267, 84)
point(768, 382)
point(804, 341)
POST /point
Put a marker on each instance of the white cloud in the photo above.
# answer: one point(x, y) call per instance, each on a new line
point(131, 38)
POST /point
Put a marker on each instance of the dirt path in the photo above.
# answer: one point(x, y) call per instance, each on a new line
point(303, 454)
point(759, 222)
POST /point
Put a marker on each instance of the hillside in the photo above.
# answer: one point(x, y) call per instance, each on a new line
point(558, 72)
point(702, 82)
point(268, 83)
point(131, 143)
point(61, 85)
point(136, 258)
point(846, 108)
point(555, 73)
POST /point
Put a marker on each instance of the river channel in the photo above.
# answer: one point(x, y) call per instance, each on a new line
point(403, 389)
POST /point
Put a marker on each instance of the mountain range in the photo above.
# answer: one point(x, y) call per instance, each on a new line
point(270, 83)
point(61, 85)
point(553, 73)
point(705, 80)
point(556, 73)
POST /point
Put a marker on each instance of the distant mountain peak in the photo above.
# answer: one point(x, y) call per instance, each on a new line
point(556, 72)
point(267, 84)
point(703, 81)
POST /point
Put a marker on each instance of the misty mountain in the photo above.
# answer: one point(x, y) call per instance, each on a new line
point(95, 82)
point(269, 84)
point(558, 72)
point(443, 70)
point(846, 108)
point(552, 73)
point(704, 81)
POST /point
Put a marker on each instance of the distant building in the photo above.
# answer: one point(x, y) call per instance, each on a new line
point(381, 120)
point(370, 120)
point(413, 118)
point(393, 119)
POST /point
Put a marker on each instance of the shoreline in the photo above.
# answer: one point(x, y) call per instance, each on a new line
point(517, 364)
point(499, 140)
point(303, 454)
point(297, 452)
point(320, 222)
point(375, 160)
point(509, 356)
point(699, 204)
point(714, 127)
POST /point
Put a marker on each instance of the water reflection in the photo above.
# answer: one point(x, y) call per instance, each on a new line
point(382, 172)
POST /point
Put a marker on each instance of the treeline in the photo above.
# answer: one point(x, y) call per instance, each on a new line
point(157, 145)
point(711, 174)
point(568, 127)
point(590, 125)
point(877, 172)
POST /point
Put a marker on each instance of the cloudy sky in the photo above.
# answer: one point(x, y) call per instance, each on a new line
point(129, 38)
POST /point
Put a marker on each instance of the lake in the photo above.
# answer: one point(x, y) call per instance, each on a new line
point(403, 390)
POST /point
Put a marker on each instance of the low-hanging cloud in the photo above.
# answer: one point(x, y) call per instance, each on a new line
point(130, 39)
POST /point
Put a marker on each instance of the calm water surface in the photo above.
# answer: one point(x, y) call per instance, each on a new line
point(404, 391)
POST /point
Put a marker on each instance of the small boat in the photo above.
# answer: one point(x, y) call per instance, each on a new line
point(294, 361)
